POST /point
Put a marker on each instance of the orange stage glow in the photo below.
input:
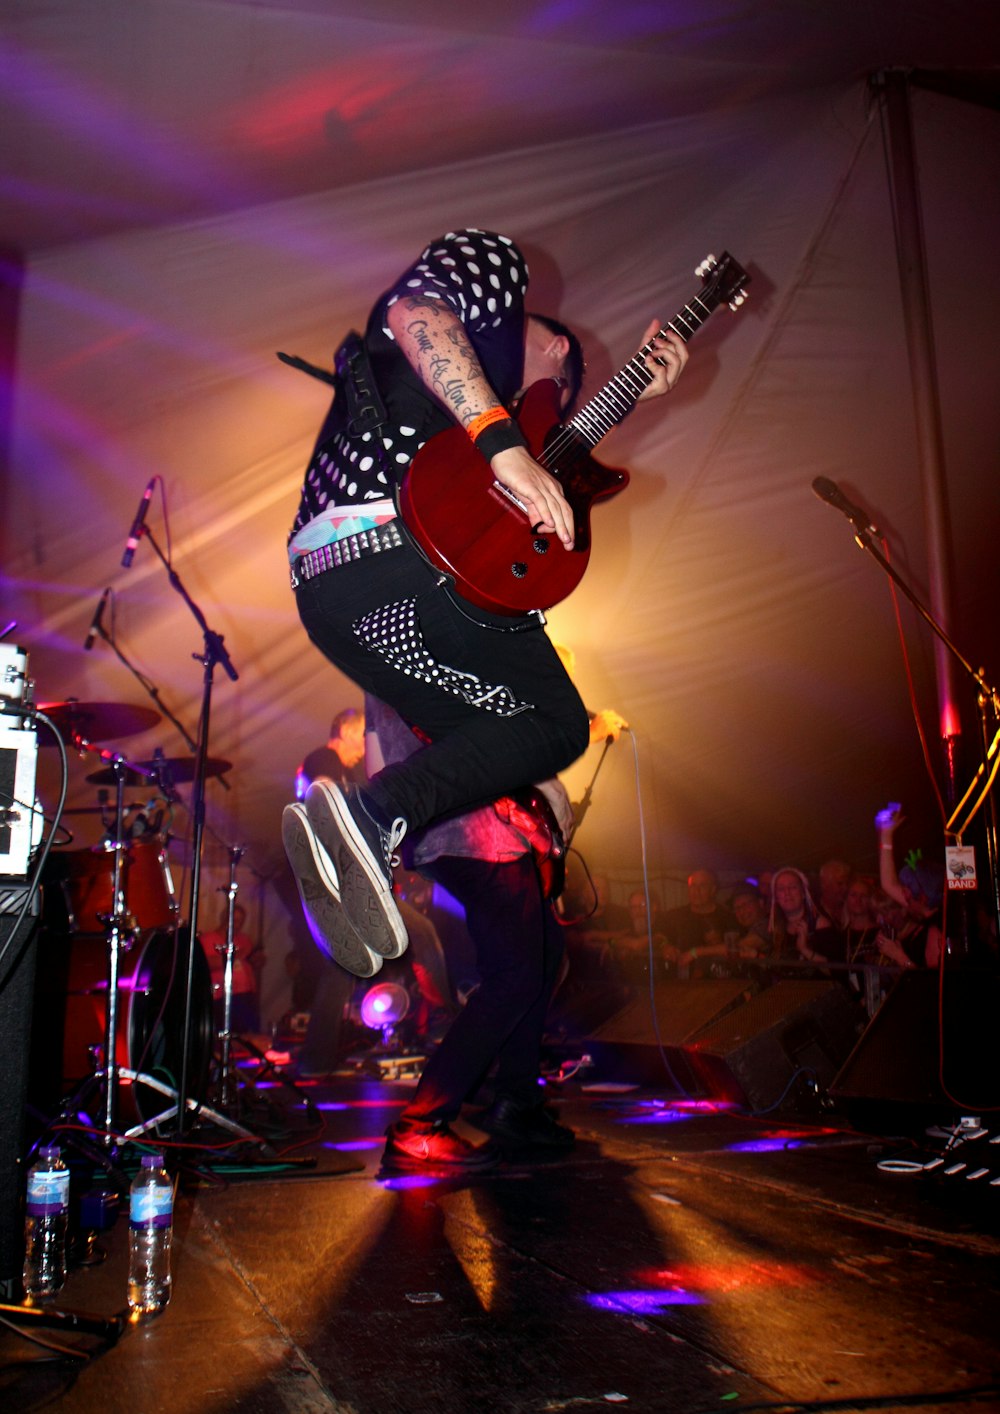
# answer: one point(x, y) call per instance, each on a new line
point(735, 1276)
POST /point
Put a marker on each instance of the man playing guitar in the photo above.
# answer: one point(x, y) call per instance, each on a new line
point(448, 344)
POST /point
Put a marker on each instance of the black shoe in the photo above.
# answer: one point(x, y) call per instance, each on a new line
point(320, 896)
point(361, 847)
point(520, 1125)
point(411, 1147)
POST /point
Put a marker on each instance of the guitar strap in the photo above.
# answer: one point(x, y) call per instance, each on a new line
point(365, 409)
point(366, 413)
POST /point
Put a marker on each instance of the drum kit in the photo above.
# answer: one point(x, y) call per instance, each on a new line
point(128, 1010)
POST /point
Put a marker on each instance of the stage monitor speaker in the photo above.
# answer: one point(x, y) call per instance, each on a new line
point(17, 977)
point(749, 1056)
point(898, 1059)
point(627, 1045)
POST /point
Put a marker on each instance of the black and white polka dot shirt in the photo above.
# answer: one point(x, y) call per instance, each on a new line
point(483, 277)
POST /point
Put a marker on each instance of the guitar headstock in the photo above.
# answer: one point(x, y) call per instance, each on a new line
point(725, 281)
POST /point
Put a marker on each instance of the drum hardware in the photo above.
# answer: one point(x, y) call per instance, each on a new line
point(119, 926)
point(175, 770)
point(228, 1076)
point(98, 721)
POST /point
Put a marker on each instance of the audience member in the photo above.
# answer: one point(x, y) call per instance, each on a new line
point(861, 921)
point(919, 889)
point(755, 939)
point(793, 922)
point(702, 923)
point(589, 931)
point(629, 950)
point(834, 879)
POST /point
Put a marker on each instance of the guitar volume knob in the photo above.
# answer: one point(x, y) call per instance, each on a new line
point(519, 569)
point(540, 545)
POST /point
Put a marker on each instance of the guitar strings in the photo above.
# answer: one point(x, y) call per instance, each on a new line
point(602, 412)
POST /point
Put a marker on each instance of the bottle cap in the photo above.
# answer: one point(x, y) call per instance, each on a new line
point(151, 1161)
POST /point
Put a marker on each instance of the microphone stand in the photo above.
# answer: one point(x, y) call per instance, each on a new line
point(150, 688)
point(986, 698)
point(214, 653)
point(580, 810)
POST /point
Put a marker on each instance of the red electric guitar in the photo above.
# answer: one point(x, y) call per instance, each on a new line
point(482, 540)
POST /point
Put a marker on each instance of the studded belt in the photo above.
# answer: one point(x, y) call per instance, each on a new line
point(346, 550)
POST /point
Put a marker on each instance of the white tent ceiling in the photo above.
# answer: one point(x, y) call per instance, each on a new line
point(189, 187)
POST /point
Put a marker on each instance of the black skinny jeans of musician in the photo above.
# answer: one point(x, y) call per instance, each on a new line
point(519, 949)
point(475, 755)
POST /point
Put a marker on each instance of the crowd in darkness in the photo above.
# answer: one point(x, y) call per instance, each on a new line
point(834, 921)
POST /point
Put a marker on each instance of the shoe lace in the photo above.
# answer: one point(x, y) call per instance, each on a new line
point(392, 840)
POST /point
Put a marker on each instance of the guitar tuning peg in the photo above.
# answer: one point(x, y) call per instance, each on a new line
point(706, 267)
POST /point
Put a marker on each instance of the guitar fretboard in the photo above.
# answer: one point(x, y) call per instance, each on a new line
point(621, 393)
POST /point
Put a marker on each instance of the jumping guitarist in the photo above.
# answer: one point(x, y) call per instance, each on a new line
point(449, 344)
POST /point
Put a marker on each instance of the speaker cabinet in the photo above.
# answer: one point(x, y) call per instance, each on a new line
point(627, 1046)
point(750, 1055)
point(898, 1060)
point(17, 977)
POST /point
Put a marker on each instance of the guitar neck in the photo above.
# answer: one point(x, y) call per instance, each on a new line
point(621, 393)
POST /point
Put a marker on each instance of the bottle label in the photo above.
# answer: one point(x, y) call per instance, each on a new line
point(48, 1192)
point(151, 1207)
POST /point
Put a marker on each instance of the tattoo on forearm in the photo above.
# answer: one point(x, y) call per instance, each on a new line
point(450, 386)
point(456, 378)
point(417, 330)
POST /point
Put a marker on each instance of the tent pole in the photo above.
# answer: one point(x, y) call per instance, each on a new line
point(893, 86)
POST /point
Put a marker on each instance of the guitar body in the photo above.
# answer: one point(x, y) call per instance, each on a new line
point(529, 811)
point(471, 531)
point(469, 526)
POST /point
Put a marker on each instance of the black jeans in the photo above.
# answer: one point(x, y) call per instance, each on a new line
point(519, 949)
point(476, 755)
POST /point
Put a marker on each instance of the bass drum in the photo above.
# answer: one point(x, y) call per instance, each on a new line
point(149, 1036)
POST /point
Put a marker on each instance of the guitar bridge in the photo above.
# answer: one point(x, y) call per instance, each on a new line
point(498, 489)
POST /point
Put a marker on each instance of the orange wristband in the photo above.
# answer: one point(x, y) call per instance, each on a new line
point(486, 419)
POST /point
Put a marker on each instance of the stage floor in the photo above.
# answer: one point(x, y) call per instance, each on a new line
point(679, 1259)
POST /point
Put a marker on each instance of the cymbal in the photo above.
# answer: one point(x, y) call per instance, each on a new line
point(96, 721)
point(177, 769)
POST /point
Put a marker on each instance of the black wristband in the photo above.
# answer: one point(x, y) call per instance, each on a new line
point(499, 437)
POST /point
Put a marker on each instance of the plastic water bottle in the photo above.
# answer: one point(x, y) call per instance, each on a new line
point(151, 1205)
point(45, 1224)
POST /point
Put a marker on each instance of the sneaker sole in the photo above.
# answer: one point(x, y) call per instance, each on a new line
point(328, 922)
point(365, 894)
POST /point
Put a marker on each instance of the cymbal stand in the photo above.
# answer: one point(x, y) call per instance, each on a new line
point(228, 1078)
point(118, 934)
point(226, 1085)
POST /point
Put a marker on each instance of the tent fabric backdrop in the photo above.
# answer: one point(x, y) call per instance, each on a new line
point(727, 613)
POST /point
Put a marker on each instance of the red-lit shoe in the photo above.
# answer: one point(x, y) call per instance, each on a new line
point(414, 1147)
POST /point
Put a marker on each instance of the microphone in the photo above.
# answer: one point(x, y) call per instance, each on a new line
point(137, 525)
point(95, 623)
point(831, 493)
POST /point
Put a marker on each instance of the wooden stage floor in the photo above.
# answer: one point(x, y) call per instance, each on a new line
point(680, 1258)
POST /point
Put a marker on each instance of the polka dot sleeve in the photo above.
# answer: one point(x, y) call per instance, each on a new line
point(480, 274)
